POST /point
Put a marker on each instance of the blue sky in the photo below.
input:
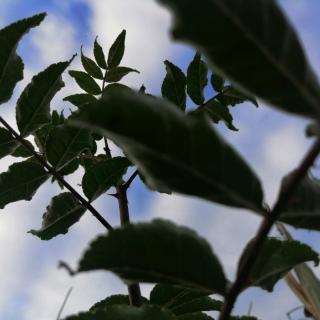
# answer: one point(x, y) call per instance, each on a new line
point(272, 142)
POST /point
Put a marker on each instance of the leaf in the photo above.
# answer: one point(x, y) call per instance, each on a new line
point(125, 313)
point(91, 67)
point(157, 252)
point(275, 260)
point(117, 73)
point(11, 65)
point(231, 97)
point(79, 99)
point(174, 151)
point(99, 55)
point(195, 316)
point(218, 112)
point(197, 79)
point(217, 82)
point(303, 208)
point(253, 45)
point(115, 87)
point(64, 144)
point(85, 82)
point(174, 85)
point(7, 143)
point(21, 182)
point(63, 212)
point(181, 300)
point(116, 51)
point(22, 152)
point(103, 175)
point(312, 130)
point(33, 106)
point(113, 301)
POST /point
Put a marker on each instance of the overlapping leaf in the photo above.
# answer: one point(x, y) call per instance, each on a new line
point(63, 211)
point(103, 175)
point(7, 143)
point(21, 182)
point(157, 252)
point(65, 143)
point(174, 152)
point(251, 43)
point(33, 106)
point(11, 65)
point(276, 259)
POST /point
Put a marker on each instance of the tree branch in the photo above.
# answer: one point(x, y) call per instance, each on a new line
point(130, 180)
point(60, 178)
point(265, 227)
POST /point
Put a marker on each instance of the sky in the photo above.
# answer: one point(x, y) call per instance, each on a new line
point(31, 285)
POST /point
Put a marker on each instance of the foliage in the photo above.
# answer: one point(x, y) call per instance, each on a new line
point(173, 146)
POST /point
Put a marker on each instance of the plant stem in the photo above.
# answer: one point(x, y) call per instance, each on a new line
point(265, 227)
point(60, 178)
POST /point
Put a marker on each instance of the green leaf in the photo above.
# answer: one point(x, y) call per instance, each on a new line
point(217, 82)
point(91, 67)
point(117, 73)
point(218, 112)
point(79, 99)
point(253, 45)
point(33, 106)
point(174, 151)
point(195, 316)
point(11, 65)
point(231, 97)
point(125, 313)
point(303, 208)
point(85, 82)
point(103, 175)
point(113, 301)
point(115, 87)
point(99, 54)
point(197, 79)
point(116, 51)
point(63, 212)
point(7, 143)
point(157, 252)
point(22, 152)
point(243, 318)
point(64, 144)
point(276, 259)
point(174, 85)
point(21, 182)
point(182, 300)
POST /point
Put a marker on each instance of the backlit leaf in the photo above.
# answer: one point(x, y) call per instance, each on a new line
point(116, 51)
point(85, 82)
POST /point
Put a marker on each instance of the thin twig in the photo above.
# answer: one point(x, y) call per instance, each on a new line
point(269, 220)
point(64, 303)
point(58, 177)
point(130, 180)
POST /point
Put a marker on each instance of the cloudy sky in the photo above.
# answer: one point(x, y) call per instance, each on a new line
point(31, 286)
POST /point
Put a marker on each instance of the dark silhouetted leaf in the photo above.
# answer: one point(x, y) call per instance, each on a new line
point(157, 252)
point(174, 151)
point(195, 316)
point(21, 182)
point(64, 144)
point(22, 152)
point(197, 79)
point(231, 97)
point(174, 85)
point(85, 82)
point(99, 54)
point(117, 73)
point(33, 106)
point(63, 212)
point(276, 259)
point(125, 313)
point(303, 209)
point(116, 51)
point(7, 143)
point(11, 65)
point(103, 175)
point(217, 82)
point(79, 99)
point(91, 67)
point(253, 45)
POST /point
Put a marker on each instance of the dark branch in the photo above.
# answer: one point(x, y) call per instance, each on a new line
point(130, 180)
